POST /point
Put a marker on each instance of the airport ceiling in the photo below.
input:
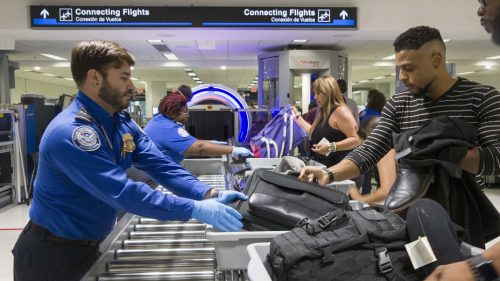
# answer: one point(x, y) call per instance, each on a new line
point(205, 50)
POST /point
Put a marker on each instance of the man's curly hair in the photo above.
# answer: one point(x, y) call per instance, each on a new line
point(416, 37)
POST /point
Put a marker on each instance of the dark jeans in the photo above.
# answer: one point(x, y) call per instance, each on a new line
point(38, 258)
point(366, 185)
point(427, 218)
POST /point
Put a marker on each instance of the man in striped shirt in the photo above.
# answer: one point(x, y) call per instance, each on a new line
point(431, 92)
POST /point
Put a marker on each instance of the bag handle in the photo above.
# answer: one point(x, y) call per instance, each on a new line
point(283, 181)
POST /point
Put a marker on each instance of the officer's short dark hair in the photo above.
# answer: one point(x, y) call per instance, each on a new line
point(415, 37)
point(376, 100)
point(186, 91)
point(342, 85)
point(99, 55)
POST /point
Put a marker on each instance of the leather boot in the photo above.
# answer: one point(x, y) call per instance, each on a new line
point(411, 184)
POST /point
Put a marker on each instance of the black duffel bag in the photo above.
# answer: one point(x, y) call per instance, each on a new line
point(279, 202)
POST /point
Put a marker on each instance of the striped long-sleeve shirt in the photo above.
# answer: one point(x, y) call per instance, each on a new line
point(475, 103)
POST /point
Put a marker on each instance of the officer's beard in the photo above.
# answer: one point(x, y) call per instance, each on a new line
point(112, 96)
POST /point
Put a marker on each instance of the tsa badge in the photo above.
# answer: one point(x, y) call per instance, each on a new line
point(182, 132)
point(85, 138)
point(128, 143)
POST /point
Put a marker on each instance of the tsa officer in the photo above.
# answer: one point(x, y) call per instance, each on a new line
point(167, 131)
point(81, 183)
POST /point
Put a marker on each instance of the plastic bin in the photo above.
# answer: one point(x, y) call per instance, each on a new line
point(342, 186)
point(230, 247)
point(257, 254)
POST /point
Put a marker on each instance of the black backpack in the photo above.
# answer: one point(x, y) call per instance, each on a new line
point(366, 245)
point(279, 202)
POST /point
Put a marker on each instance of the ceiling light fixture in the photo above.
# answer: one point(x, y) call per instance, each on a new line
point(188, 69)
point(133, 79)
point(37, 68)
point(69, 79)
point(199, 82)
point(155, 41)
point(223, 67)
point(493, 58)
point(54, 57)
point(446, 40)
point(192, 74)
point(378, 77)
point(466, 72)
point(196, 78)
point(299, 41)
point(170, 56)
point(62, 64)
point(384, 64)
point(391, 57)
point(49, 74)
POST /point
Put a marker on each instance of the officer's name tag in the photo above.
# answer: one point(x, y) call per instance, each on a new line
point(420, 252)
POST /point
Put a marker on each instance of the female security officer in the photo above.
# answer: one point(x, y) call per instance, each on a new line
point(81, 181)
point(167, 131)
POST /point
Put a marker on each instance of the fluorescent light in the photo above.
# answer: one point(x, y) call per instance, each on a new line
point(155, 41)
point(133, 79)
point(132, 68)
point(446, 40)
point(69, 79)
point(199, 82)
point(49, 74)
point(223, 67)
point(493, 58)
point(192, 74)
point(486, 63)
point(378, 78)
point(466, 72)
point(391, 57)
point(299, 41)
point(363, 81)
point(384, 64)
point(37, 68)
point(170, 56)
point(196, 78)
point(173, 64)
point(488, 66)
point(188, 69)
point(54, 57)
point(62, 64)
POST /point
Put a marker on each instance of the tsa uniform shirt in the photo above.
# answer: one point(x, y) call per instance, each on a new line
point(81, 181)
point(169, 136)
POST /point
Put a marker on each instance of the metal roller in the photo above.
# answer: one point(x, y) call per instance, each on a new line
point(166, 243)
point(179, 253)
point(159, 276)
point(162, 265)
point(166, 234)
point(154, 221)
point(169, 227)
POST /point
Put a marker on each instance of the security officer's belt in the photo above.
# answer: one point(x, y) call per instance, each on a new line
point(34, 228)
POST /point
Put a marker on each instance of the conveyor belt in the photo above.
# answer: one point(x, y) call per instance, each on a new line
point(148, 249)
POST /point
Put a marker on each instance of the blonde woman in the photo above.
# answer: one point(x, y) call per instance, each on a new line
point(334, 131)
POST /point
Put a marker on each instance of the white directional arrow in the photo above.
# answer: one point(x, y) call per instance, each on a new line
point(343, 14)
point(44, 13)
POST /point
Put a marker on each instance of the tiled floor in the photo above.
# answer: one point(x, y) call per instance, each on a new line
point(13, 220)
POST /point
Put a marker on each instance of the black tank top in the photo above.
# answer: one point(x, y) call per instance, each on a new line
point(332, 135)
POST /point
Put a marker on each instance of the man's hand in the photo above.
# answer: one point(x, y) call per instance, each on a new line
point(459, 271)
point(310, 174)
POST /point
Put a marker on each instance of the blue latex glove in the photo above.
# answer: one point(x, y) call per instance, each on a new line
point(219, 215)
point(229, 196)
point(238, 152)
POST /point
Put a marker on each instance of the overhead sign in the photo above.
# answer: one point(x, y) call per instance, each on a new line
point(133, 16)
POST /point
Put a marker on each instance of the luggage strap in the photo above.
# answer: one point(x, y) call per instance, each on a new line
point(384, 263)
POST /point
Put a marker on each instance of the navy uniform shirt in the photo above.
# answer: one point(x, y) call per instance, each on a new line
point(169, 136)
point(81, 181)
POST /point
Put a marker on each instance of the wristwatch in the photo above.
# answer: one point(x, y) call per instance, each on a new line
point(483, 269)
point(331, 176)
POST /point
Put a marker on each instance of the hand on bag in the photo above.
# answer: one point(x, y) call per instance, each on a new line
point(322, 149)
point(239, 152)
point(219, 215)
point(230, 196)
point(310, 174)
point(459, 271)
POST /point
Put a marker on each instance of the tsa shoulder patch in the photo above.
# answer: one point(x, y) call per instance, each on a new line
point(182, 132)
point(86, 138)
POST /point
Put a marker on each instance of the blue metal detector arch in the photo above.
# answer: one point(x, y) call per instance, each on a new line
point(228, 97)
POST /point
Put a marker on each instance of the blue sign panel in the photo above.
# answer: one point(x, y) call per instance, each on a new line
point(122, 16)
